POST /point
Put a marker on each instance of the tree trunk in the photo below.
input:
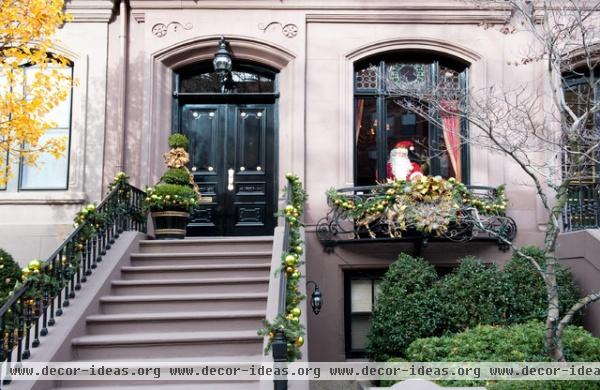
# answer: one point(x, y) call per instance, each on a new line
point(553, 343)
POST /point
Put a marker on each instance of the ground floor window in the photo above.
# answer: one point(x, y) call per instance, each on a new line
point(361, 290)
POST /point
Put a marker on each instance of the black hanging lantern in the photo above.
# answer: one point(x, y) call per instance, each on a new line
point(222, 61)
point(316, 298)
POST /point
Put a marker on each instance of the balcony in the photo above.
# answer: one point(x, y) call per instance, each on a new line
point(426, 210)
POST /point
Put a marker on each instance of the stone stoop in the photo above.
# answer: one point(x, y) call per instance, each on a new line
point(199, 299)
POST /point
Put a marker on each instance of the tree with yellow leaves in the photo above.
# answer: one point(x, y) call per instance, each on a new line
point(31, 81)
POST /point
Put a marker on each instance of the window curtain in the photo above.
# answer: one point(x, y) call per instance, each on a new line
point(360, 107)
point(451, 131)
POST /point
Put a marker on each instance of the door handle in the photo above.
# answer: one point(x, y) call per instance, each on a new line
point(230, 173)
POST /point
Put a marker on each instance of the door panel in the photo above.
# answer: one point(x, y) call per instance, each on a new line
point(232, 156)
point(203, 125)
point(252, 200)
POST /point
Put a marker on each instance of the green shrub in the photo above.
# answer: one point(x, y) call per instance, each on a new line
point(415, 303)
point(171, 197)
point(405, 309)
point(527, 298)
point(10, 273)
point(522, 342)
point(474, 293)
point(178, 140)
point(176, 176)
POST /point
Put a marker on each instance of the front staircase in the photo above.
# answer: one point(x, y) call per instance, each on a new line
point(181, 300)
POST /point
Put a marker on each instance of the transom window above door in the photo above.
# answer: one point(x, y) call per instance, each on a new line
point(382, 125)
point(244, 78)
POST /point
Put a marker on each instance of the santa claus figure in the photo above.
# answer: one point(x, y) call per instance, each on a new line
point(399, 166)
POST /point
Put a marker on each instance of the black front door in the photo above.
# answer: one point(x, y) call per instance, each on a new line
point(232, 158)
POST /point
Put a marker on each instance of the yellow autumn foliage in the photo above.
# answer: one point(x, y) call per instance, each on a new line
point(27, 29)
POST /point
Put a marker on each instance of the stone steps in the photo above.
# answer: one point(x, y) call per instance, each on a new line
point(155, 272)
point(209, 245)
point(250, 257)
point(167, 344)
point(175, 322)
point(200, 299)
point(190, 286)
point(115, 304)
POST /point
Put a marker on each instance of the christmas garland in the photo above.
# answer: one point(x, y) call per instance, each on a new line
point(289, 322)
point(428, 204)
point(39, 273)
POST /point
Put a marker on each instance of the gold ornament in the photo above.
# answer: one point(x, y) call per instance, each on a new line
point(34, 264)
point(299, 342)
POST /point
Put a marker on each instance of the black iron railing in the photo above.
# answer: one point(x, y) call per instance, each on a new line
point(339, 227)
point(28, 313)
point(279, 345)
point(582, 210)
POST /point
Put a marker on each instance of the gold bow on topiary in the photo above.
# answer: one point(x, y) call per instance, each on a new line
point(176, 158)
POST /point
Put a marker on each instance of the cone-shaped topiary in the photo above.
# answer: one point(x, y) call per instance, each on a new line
point(176, 189)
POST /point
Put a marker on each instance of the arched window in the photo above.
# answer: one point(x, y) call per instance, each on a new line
point(380, 123)
point(49, 173)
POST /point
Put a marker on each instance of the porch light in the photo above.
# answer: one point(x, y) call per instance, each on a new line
point(316, 298)
point(222, 61)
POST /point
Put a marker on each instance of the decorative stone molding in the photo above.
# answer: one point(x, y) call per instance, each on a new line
point(160, 29)
point(417, 17)
point(415, 43)
point(139, 16)
point(290, 30)
point(90, 11)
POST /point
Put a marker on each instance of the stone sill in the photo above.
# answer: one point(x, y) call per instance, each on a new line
point(41, 198)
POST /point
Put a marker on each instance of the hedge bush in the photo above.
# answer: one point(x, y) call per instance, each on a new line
point(474, 293)
point(415, 303)
point(527, 294)
point(10, 273)
point(521, 342)
point(406, 307)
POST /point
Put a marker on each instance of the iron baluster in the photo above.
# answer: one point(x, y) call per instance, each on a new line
point(19, 333)
point(27, 329)
point(45, 321)
point(36, 326)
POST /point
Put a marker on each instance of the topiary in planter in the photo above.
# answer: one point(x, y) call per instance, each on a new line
point(172, 200)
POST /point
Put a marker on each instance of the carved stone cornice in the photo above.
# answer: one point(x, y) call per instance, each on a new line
point(90, 11)
point(139, 16)
point(416, 17)
point(315, 5)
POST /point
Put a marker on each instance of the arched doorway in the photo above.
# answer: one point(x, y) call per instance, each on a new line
point(233, 143)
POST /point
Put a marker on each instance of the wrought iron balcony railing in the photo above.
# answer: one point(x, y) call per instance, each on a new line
point(468, 225)
point(582, 210)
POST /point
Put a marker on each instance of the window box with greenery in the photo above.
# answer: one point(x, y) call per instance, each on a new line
point(175, 196)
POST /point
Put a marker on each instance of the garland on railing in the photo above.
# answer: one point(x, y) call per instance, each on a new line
point(428, 204)
point(291, 261)
point(38, 273)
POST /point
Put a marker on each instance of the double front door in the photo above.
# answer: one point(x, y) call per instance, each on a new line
point(232, 159)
